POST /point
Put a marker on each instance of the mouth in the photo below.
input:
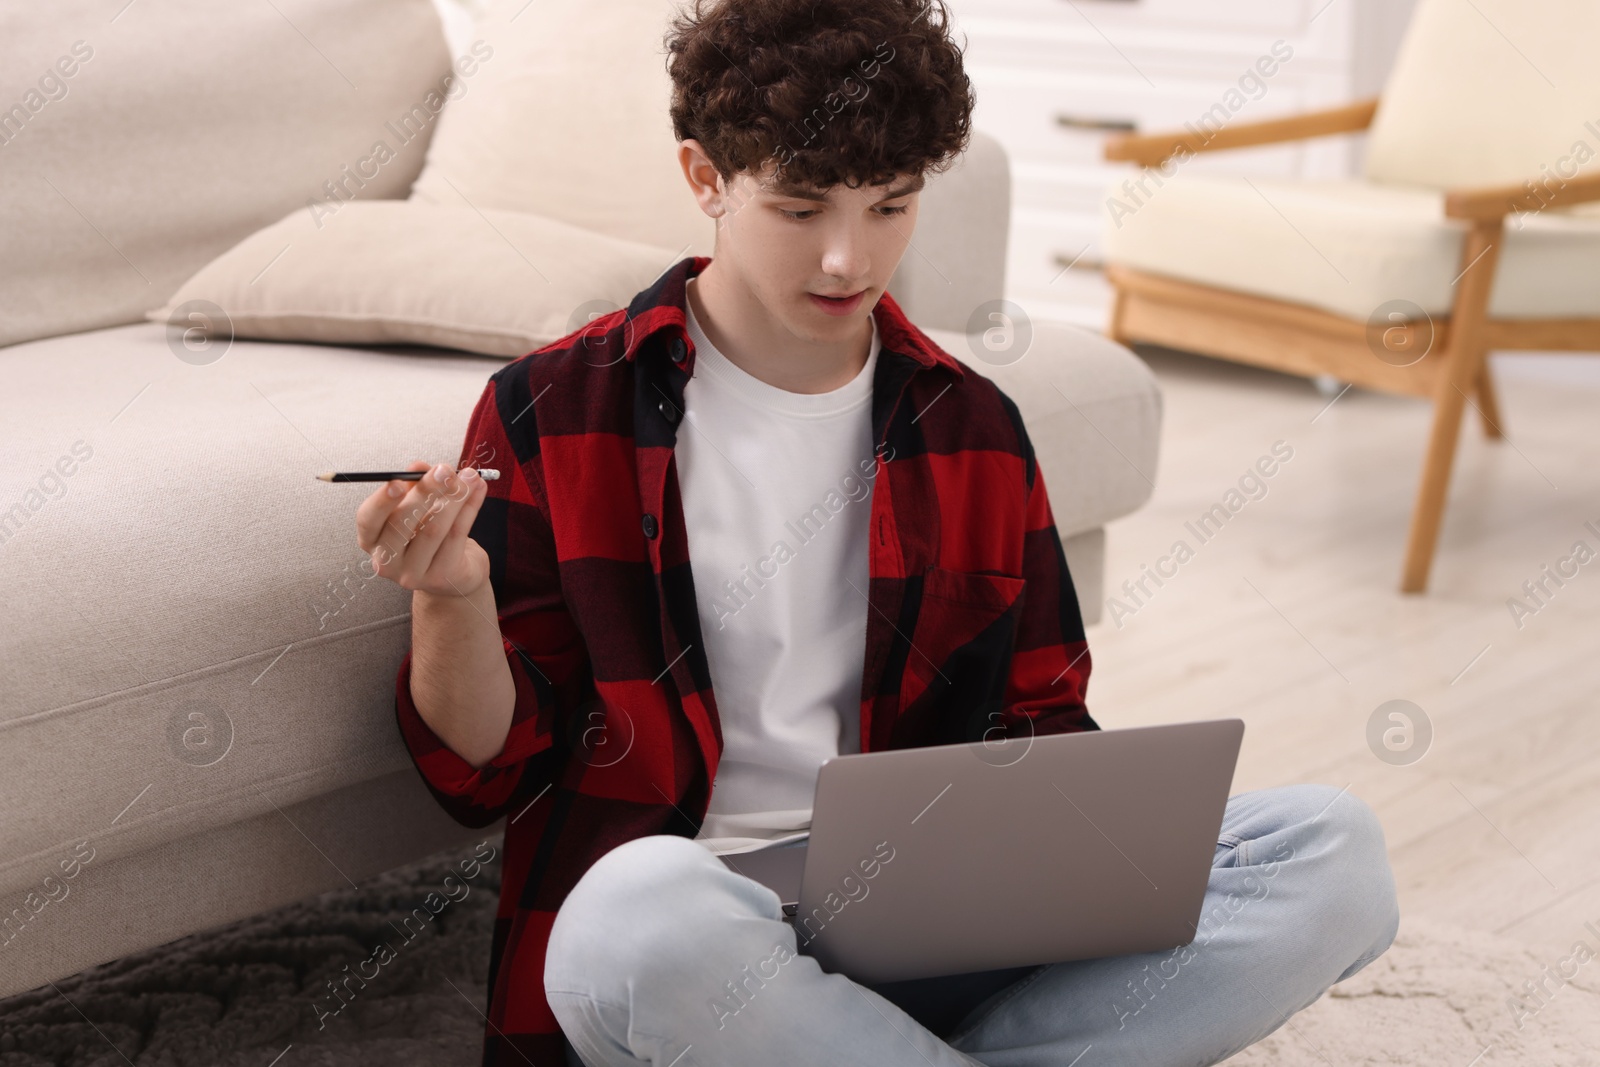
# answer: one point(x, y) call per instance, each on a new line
point(838, 305)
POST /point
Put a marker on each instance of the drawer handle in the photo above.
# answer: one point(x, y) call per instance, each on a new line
point(1079, 262)
point(1079, 122)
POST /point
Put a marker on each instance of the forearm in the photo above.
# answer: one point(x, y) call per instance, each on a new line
point(460, 681)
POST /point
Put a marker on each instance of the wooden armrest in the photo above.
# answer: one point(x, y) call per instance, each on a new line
point(1496, 202)
point(1154, 149)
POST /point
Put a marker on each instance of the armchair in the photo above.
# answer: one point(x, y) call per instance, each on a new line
point(1492, 114)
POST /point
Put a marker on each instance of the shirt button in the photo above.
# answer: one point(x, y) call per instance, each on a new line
point(650, 528)
point(668, 412)
point(680, 351)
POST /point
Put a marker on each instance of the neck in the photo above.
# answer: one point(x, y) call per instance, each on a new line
point(752, 340)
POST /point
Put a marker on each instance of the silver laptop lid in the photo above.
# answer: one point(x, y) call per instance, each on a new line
point(971, 857)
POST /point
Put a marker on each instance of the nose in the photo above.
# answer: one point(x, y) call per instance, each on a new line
point(844, 256)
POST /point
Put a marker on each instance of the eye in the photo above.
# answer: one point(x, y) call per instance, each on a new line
point(798, 216)
point(891, 211)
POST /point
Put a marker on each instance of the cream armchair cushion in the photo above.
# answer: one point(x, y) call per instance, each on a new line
point(1349, 247)
point(1490, 92)
point(1483, 93)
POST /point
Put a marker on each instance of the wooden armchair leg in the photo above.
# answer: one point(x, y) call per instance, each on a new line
point(1428, 511)
point(1465, 371)
point(1119, 303)
point(1489, 405)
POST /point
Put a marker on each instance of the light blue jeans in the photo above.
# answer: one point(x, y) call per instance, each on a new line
point(663, 955)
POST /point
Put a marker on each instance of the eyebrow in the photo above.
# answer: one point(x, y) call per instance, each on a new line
point(797, 192)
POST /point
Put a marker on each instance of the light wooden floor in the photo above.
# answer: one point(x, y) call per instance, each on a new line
point(1289, 618)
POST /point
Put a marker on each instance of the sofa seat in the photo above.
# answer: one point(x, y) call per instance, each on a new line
point(1348, 247)
point(199, 678)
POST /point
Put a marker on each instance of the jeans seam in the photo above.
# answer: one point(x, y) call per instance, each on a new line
point(1368, 958)
point(591, 998)
point(598, 1002)
point(1239, 845)
point(1011, 991)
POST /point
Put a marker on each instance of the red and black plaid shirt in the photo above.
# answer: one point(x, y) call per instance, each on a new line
point(973, 628)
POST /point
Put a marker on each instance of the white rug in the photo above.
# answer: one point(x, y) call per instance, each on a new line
point(1439, 997)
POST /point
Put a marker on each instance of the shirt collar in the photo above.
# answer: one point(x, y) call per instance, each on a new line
point(660, 307)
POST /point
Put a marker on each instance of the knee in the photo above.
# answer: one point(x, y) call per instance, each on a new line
point(631, 876)
point(1334, 819)
point(638, 909)
point(1341, 839)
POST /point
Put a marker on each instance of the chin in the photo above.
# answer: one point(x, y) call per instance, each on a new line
point(827, 328)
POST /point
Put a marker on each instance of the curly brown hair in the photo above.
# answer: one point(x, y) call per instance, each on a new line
point(854, 91)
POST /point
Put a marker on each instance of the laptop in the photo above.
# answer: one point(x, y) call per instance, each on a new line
point(949, 859)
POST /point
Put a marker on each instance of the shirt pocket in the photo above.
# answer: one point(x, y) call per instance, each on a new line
point(959, 659)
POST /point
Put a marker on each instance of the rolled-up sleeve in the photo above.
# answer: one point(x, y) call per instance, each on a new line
point(476, 796)
point(546, 654)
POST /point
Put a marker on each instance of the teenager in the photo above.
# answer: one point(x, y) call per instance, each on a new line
point(874, 566)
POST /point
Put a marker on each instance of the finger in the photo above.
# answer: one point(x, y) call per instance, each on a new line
point(436, 560)
point(462, 527)
point(377, 532)
point(386, 536)
point(441, 493)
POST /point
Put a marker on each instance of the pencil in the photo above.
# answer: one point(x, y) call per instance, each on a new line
point(486, 473)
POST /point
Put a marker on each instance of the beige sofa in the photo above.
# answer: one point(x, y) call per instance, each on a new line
point(197, 721)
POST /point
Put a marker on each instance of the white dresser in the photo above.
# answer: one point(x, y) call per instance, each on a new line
point(1055, 78)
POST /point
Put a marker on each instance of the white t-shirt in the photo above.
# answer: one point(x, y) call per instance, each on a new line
point(777, 501)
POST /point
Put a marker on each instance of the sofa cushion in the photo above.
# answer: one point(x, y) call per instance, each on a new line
point(1490, 92)
point(183, 126)
point(500, 283)
point(1350, 247)
point(203, 640)
point(591, 79)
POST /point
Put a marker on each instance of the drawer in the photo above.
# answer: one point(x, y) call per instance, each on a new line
point(1089, 308)
point(1066, 117)
point(1157, 59)
point(1084, 187)
point(1252, 17)
point(1074, 190)
point(1054, 256)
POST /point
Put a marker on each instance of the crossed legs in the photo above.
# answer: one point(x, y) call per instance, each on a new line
point(663, 955)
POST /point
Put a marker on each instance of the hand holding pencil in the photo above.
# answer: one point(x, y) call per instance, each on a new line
point(415, 527)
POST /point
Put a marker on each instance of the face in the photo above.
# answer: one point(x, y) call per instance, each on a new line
point(817, 260)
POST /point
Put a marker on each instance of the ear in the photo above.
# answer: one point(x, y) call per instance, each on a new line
point(704, 181)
